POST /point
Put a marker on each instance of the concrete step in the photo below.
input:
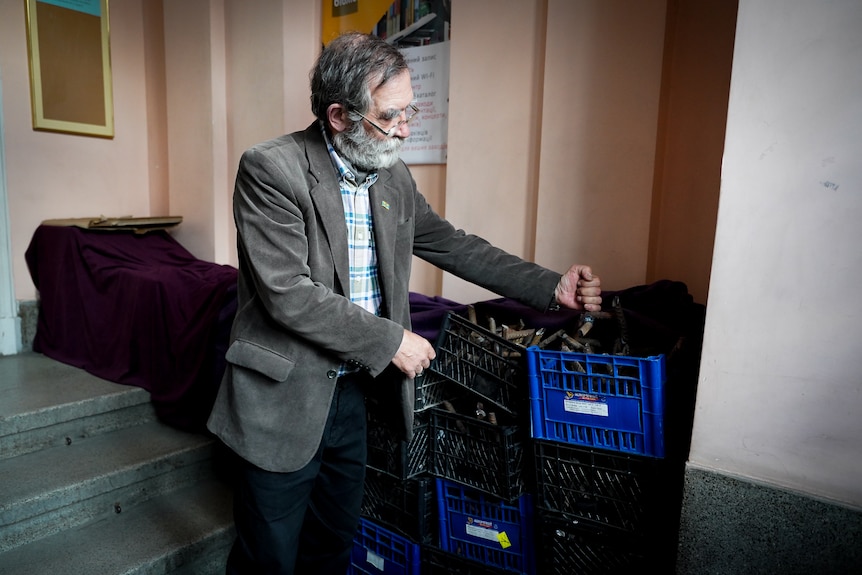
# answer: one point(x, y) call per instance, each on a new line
point(186, 532)
point(47, 404)
point(45, 492)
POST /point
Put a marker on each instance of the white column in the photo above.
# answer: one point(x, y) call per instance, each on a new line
point(10, 323)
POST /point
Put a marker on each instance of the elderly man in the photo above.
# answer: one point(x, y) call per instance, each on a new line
point(328, 220)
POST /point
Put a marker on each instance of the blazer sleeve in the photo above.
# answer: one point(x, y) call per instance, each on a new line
point(474, 259)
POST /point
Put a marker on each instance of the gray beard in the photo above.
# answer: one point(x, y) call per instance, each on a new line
point(366, 152)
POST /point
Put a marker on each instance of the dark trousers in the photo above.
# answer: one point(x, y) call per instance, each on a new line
point(304, 522)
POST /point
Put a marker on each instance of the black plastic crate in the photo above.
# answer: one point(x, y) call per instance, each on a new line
point(484, 363)
point(432, 389)
point(408, 507)
point(389, 453)
point(492, 458)
point(438, 562)
point(567, 546)
point(629, 494)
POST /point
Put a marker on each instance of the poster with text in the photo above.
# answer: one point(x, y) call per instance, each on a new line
point(420, 29)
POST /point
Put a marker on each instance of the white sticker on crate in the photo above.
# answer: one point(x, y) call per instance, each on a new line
point(375, 560)
point(482, 529)
point(585, 404)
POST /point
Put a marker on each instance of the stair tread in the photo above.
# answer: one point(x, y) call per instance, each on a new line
point(38, 391)
point(73, 449)
point(38, 474)
point(157, 537)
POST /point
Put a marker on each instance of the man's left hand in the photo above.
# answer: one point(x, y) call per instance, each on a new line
point(579, 289)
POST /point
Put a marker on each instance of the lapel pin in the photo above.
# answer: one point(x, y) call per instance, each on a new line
point(385, 204)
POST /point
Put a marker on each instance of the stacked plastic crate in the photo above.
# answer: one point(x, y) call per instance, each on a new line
point(479, 452)
point(602, 481)
point(399, 506)
point(523, 460)
point(460, 491)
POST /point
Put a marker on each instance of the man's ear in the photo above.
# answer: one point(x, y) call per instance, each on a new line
point(337, 116)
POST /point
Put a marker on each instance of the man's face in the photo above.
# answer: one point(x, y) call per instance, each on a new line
point(362, 144)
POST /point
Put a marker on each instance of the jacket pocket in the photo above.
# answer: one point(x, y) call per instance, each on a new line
point(260, 359)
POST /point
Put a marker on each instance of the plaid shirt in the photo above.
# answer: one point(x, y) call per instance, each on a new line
point(364, 284)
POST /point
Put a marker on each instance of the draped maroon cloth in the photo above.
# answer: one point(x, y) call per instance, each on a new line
point(141, 310)
point(135, 309)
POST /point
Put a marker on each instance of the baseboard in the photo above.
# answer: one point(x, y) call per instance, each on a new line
point(28, 311)
point(10, 335)
point(731, 526)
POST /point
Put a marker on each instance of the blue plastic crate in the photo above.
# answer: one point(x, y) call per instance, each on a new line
point(604, 401)
point(377, 550)
point(486, 529)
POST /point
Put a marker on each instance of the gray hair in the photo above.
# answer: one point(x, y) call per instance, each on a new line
point(346, 69)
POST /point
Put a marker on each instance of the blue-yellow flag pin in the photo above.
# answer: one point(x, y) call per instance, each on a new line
point(385, 204)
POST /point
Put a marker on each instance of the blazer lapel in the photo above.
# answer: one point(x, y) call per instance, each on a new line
point(384, 212)
point(326, 196)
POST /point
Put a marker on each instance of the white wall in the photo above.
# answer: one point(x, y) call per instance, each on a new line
point(10, 323)
point(780, 391)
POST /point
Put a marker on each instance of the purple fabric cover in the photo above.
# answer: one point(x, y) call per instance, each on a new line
point(134, 309)
point(141, 310)
point(427, 313)
point(657, 315)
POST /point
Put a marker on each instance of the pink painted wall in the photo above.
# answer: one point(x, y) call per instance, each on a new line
point(196, 82)
point(537, 87)
point(51, 175)
point(599, 123)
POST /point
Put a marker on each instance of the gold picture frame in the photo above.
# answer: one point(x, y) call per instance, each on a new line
point(68, 44)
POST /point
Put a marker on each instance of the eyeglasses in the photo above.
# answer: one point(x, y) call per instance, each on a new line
point(409, 113)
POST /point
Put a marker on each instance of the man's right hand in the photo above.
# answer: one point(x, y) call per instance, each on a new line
point(414, 354)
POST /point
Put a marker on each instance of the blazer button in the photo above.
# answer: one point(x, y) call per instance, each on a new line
point(331, 374)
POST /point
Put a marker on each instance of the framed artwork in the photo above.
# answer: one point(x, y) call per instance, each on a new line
point(68, 45)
